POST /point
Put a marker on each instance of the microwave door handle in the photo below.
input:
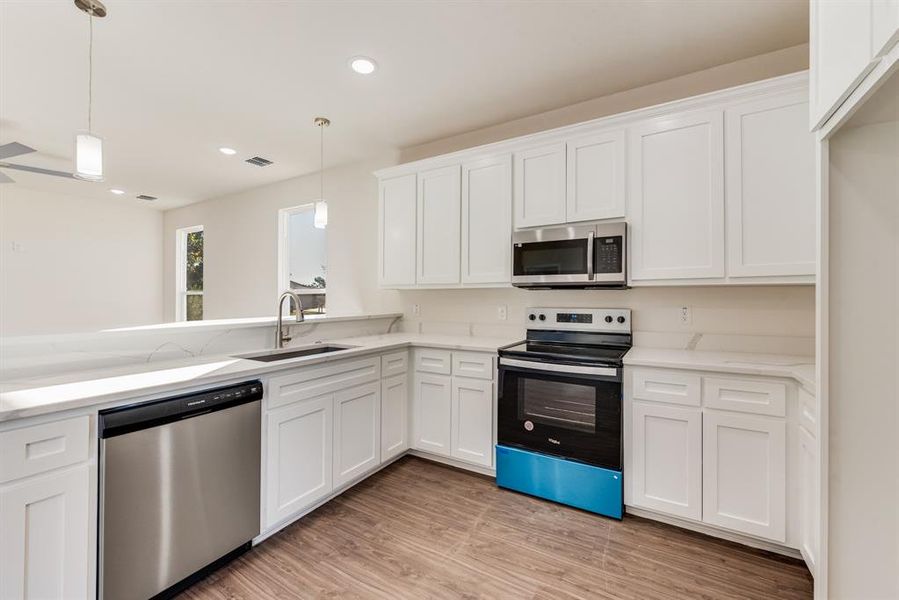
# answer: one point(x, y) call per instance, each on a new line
point(590, 237)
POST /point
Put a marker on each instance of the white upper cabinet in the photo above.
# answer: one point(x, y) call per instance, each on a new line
point(539, 190)
point(884, 25)
point(841, 52)
point(439, 199)
point(397, 199)
point(487, 220)
point(770, 188)
point(676, 197)
point(595, 178)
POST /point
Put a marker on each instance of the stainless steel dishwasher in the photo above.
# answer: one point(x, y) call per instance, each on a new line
point(179, 489)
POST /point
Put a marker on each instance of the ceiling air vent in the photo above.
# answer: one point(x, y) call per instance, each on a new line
point(146, 197)
point(259, 161)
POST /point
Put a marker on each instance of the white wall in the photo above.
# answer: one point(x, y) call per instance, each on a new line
point(863, 525)
point(78, 264)
point(240, 270)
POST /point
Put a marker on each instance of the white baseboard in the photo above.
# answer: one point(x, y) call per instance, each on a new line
point(714, 532)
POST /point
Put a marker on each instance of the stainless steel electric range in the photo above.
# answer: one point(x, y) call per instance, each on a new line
point(560, 408)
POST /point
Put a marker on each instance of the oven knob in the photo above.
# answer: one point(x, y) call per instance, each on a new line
point(608, 318)
point(532, 317)
point(542, 317)
point(621, 319)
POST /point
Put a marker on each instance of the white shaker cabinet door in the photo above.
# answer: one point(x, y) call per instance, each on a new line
point(596, 177)
point(676, 197)
point(432, 413)
point(539, 190)
point(487, 220)
point(396, 224)
point(840, 39)
point(667, 459)
point(394, 416)
point(298, 457)
point(357, 431)
point(770, 188)
point(472, 420)
point(744, 474)
point(809, 495)
point(439, 200)
point(45, 537)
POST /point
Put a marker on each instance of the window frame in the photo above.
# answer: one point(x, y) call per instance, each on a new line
point(181, 291)
point(283, 282)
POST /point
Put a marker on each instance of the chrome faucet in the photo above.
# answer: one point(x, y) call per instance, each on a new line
point(280, 338)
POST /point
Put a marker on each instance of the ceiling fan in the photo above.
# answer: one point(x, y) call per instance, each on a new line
point(14, 149)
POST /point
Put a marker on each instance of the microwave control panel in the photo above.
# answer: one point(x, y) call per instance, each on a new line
point(607, 254)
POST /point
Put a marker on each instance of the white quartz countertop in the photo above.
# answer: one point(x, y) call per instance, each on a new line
point(799, 368)
point(123, 384)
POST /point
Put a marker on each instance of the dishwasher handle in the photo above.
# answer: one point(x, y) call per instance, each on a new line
point(135, 417)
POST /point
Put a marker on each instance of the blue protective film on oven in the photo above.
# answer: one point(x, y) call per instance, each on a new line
point(568, 482)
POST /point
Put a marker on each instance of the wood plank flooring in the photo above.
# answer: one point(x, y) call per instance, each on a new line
point(422, 530)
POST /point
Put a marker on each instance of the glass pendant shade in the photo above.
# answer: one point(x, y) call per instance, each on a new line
point(321, 214)
point(88, 157)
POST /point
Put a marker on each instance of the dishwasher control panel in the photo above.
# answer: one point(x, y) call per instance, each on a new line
point(134, 417)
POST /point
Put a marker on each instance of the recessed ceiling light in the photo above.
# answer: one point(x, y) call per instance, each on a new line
point(227, 151)
point(117, 191)
point(363, 65)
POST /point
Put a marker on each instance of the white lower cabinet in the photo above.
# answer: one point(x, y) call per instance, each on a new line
point(394, 411)
point(46, 536)
point(666, 473)
point(808, 503)
point(744, 476)
point(357, 431)
point(472, 420)
point(432, 413)
point(299, 458)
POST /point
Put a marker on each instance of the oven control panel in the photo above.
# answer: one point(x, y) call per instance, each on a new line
point(614, 320)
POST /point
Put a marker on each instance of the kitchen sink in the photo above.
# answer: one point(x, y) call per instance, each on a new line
point(276, 355)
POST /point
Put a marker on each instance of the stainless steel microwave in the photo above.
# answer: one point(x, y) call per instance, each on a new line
point(576, 256)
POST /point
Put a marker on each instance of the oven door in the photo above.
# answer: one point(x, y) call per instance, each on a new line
point(570, 411)
point(559, 256)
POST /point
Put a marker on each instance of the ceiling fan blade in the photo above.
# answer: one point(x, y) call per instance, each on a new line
point(38, 170)
point(14, 149)
point(6, 179)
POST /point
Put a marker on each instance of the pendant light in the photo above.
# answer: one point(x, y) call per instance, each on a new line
point(89, 147)
point(320, 219)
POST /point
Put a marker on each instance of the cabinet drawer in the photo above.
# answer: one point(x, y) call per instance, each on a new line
point(394, 363)
point(674, 387)
point(31, 450)
point(745, 395)
point(473, 364)
point(315, 381)
point(433, 361)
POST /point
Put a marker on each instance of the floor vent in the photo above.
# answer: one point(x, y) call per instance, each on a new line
point(259, 161)
point(146, 197)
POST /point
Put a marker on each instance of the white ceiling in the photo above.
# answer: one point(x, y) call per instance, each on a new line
point(173, 81)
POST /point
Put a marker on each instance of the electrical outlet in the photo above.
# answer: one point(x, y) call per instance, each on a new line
point(416, 310)
point(501, 312)
point(686, 315)
point(17, 247)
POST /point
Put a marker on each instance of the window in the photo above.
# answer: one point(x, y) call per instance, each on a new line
point(302, 257)
point(189, 274)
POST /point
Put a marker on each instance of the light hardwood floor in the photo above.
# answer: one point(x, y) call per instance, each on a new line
point(422, 530)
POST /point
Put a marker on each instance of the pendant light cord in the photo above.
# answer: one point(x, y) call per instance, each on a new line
point(90, 72)
point(321, 164)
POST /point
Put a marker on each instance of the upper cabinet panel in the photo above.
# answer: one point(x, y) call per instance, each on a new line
point(676, 197)
point(884, 25)
point(439, 200)
point(540, 186)
point(770, 188)
point(841, 52)
point(397, 231)
point(487, 220)
point(596, 173)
